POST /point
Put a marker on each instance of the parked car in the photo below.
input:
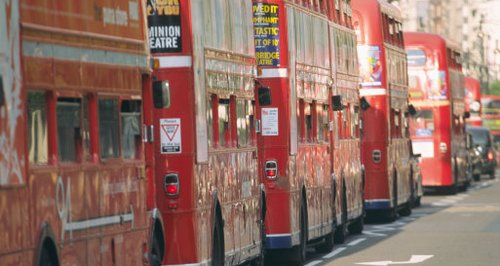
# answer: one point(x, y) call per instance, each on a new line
point(484, 158)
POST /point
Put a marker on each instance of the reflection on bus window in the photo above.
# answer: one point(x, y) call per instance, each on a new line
point(210, 121)
point(244, 120)
point(224, 121)
point(109, 128)
point(422, 124)
point(131, 128)
point(69, 138)
point(308, 121)
point(86, 132)
point(37, 128)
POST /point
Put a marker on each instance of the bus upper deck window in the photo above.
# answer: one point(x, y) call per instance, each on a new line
point(37, 128)
point(161, 94)
point(131, 128)
point(109, 128)
point(69, 134)
point(224, 123)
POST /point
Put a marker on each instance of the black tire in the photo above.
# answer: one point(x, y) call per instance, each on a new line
point(47, 257)
point(303, 236)
point(392, 213)
point(218, 245)
point(418, 202)
point(341, 230)
point(358, 225)
point(476, 177)
point(260, 260)
point(300, 256)
point(156, 252)
point(406, 211)
point(328, 242)
point(492, 174)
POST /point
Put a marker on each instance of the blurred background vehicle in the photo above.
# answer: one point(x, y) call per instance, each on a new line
point(484, 158)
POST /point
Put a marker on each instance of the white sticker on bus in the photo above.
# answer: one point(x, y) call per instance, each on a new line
point(269, 121)
point(170, 132)
point(424, 148)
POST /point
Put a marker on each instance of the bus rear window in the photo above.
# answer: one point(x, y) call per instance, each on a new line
point(416, 57)
point(422, 124)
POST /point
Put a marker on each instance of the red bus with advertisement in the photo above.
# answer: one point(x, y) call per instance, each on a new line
point(437, 92)
point(473, 101)
point(309, 146)
point(389, 185)
point(208, 191)
point(73, 182)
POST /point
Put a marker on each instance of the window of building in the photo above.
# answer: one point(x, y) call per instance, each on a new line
point(109, 128)
point(69, 134)
point(37, 128)
point(131, 129)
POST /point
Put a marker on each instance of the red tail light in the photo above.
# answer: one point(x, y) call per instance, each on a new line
point(490, 155)
point(172, 189)
point(270, 173)
point(271, 170)
point(171, 185)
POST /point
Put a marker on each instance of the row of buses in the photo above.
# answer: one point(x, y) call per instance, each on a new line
point(214, 132)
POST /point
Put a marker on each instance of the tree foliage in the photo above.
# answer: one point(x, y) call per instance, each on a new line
point(495, 88)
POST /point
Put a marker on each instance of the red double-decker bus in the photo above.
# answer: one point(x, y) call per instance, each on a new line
point(437, 92)
point(309, 147)
point(208, 191)
point(473, 101)
point(385, 143)
point(72, 165)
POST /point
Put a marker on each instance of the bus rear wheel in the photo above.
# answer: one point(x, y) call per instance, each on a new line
point(218, 245)
point(47, 257)
point(341, 232)
point(301, 255)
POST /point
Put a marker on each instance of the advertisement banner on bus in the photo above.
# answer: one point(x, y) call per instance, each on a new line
point(370, 65)
point(267, 35)
point(431, 84)
point(164, 26)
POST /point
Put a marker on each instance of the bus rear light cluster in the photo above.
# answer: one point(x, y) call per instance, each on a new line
point(376, 156)
point(271, 170)
point(443, 147)
point(171, 185)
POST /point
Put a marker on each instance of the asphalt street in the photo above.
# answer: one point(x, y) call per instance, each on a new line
point(462, 229)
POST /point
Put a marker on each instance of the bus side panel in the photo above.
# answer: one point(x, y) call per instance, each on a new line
point(179, 213)
point(374, 143)
point(279, 201)
point(14, 201)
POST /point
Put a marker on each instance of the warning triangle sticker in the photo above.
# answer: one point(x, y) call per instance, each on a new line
point(170, 130)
